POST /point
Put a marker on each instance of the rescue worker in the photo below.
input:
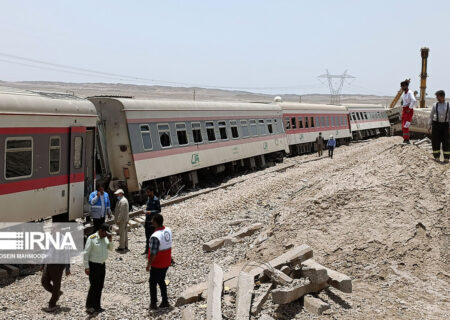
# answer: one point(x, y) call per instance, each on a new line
point(153, 207)
point(95, 256)
point(159, 260)
point(439, 126)
point(121, 215)
point(331, 144)
point(320, 143)
point(408, 103)
point(100, 206)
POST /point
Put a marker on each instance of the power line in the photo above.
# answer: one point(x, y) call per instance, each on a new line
point(335, 92)
point(115, 76)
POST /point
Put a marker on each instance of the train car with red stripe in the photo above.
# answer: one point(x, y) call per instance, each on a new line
point(304, 121)
point(47, 146)
point(168, 144)
point(368, 120)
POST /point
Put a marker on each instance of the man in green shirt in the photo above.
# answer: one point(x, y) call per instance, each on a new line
point(96, 253)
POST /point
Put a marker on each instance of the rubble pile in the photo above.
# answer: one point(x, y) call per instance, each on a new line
point(286, 279)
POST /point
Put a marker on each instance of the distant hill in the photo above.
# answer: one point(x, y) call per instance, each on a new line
point(164, 92)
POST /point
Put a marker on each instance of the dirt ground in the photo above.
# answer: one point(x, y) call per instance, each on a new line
point(377, 212)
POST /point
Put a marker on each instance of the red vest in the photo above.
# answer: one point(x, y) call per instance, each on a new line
point(163, 258)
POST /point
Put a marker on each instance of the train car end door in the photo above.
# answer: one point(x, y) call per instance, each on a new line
point(76, 174)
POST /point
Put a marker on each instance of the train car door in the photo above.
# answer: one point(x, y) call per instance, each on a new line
point(76, 172)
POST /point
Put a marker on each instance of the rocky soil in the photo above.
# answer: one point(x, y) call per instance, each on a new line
point(377, 212)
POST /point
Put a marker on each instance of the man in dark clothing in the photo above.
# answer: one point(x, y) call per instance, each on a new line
point(153, 206)
point(320, 144)
point(51, 281)
point(439, 126)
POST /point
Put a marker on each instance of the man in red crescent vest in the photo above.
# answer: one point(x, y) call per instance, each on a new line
point(408, 103)
point(159, 260)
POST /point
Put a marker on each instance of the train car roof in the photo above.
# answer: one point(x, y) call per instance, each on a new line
point(183, 105)
point(18, 101)
point(310, 106)
point(366, 106)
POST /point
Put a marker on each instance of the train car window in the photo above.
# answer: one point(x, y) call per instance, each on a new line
point(353, 116)
point(146, 138)
point(322, 122)
point(18, 158)
point(78, 153)
point(277, 128)
point(357, 115)
point(378, 115)
point(223, 130)
point(253, 128)
point(345, 121)
point(333, 121)
point(288, 123)
point(164, 135)
point(306, 122)
point(234, 129)
point(54, 155)
point(269, 126)
point(300, 122)
point(293, 123)
point(317, 121)
point(210, 131)
point(182, 134)
point(365, 115)
point(312, 122)
point(262, 127)
point(244, 127)
point(197, 132)
point(327, 119)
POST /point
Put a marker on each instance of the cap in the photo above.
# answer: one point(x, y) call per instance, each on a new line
point(105, 227)
point(331, 136)
point(118, 191)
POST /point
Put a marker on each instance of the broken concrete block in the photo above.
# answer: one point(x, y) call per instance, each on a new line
point(213, 244)
point(188, 313)
point(296, 273)
point(12, 270)
point(314, 305)
point(139, 220)
point(287, 295)
point(248, 231)
point(244, 296)
point(296, 254)
point(286, 270)
point(133, 224)
point(214, 302)
point(336, 279)
point(259, 301)
point(317, 274)
point(278, 277)
point(191, 294)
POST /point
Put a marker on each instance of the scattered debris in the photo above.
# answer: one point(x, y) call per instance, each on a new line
point(244, 296)
point(231, 239)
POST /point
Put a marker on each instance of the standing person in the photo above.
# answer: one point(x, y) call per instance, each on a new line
point(331, 144)
point(100, 206)
point(408, 103)
point(320, 143)
point(51, 281)
point(153, 207)
point(96, 253)
point(121, 219)
point(439, 126)
point(159, 260)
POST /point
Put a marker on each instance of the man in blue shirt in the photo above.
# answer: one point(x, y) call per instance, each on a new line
point(331, 144)
point(153, 206)
point(100, 206)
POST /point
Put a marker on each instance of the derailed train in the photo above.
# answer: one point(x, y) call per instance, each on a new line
point(53, 147)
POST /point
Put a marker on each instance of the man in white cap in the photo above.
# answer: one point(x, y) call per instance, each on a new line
point(121, 219)
point(331, 144)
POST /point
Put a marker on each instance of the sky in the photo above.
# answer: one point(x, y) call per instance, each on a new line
point(261, 46)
